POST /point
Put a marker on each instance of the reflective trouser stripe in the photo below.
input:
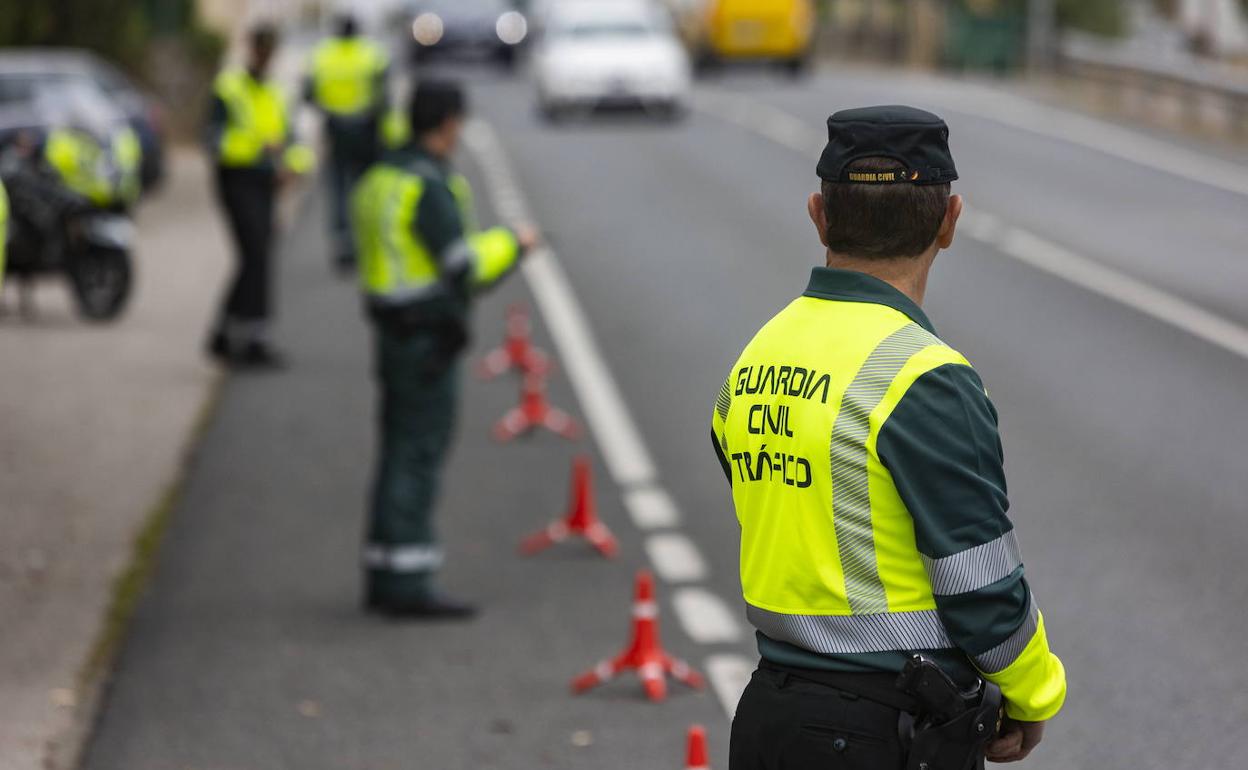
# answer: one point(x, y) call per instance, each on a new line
point(844, 634)
point(403, 558)
point(851, 492)
point(974, 568)
point(1005, 653)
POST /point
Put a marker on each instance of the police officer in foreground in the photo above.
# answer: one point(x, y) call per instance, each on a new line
point(422, 263)
point(252, 143)
point(866, 472)
point(347, 83)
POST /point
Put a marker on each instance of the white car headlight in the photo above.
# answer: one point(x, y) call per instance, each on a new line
point(511, 27)
point(428, 29)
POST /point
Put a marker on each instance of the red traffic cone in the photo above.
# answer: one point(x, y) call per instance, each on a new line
point(644, 654)
point(581, 521)
point(695, 755)
point(535, 411)
point(517, 350)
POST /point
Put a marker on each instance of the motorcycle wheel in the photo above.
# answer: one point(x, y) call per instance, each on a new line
point(101, 280)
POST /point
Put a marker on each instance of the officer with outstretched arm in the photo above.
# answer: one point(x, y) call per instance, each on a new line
point(878, 564)
point(422, 264)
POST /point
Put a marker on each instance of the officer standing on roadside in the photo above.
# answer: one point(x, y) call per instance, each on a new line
point(250, 137)
point(347, 83)
point(866, 472)
point(421, 265)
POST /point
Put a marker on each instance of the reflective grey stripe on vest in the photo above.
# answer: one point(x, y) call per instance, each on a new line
point(974, 568)
point(851, 492)
point(1000, 657)
point(843, 634)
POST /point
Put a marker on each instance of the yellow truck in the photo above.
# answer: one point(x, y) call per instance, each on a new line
point(739, 30)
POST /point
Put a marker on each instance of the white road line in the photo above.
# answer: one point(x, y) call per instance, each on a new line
point(612, 425)
point(1051, 258)
point(651, 508)
point(1116, 141)
point(705, 617)
point(729, 674)
point(675, 558)
point(1027, 247)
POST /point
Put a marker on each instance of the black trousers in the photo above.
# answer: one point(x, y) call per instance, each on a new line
point(786, 722)
point(248, 197)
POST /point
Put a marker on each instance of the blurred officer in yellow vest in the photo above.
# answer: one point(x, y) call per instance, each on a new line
point(250, 137)
point(347, 83)
point(422, 264)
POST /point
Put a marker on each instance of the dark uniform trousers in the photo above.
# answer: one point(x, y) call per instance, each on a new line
point(787, 722)
point(248, 195)
point(418, 380)
point(353, 147)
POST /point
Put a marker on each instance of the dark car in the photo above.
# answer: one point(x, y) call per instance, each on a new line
point(491, 28)
point(23, 73)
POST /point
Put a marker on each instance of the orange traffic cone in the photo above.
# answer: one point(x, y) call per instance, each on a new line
point(517, 350)
point(644, 654)
point(581, 520)
point(695, 755)
point(535, 411)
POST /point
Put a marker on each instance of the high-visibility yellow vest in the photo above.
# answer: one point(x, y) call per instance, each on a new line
point(829, 560)
point(4, 228)
point(395, 265)
point(256, 121)
point(81, 162)
point(346, 75)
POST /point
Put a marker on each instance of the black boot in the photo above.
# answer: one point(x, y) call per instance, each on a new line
point(259, 355)
point(431, 606)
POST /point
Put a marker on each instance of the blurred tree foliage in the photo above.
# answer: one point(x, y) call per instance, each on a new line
point(1100, 17)
point(119, 30)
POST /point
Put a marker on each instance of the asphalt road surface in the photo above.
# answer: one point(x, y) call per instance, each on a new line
point(1097, 287)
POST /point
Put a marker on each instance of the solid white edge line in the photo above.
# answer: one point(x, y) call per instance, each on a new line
point(675, 558)
point(612, 425)
point(651, 508)
point(705, 617)
point(729, 674)
point(1045, 255)
point(1108, 139)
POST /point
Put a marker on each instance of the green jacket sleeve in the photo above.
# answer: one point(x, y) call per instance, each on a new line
point(479, 260)
point(719, 419)
point(941, 445)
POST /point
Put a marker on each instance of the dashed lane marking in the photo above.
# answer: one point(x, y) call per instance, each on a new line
point(729, 674)
point(675, 558)
point(651, 508)
point(705, 617)
point(1015, 242)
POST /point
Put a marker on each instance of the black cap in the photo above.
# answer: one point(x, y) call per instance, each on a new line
point(914, 138)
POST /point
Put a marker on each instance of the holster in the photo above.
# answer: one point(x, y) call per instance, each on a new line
point(446, 325)
point(957, 743)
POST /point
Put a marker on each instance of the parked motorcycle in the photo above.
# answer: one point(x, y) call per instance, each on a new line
point(71, 188)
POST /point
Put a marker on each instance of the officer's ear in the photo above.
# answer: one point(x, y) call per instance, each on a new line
point(818, 215)
point(944, 238)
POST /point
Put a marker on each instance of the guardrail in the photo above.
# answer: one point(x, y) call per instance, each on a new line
point(1183, 94)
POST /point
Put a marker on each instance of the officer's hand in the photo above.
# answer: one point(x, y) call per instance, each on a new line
point(1015, 742)
point(528, 237)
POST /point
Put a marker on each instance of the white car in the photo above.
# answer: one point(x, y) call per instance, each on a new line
point(610, 53)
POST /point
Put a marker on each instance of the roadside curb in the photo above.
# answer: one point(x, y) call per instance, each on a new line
point(65, 749)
